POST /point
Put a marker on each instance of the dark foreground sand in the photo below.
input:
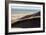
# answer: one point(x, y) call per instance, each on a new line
point(29, 23)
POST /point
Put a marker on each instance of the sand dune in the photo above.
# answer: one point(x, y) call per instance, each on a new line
point(28, 21)
point(18, 16)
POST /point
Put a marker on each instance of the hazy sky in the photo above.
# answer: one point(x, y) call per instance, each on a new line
point(24, 9)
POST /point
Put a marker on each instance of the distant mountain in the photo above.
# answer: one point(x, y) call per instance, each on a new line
point(27, 16)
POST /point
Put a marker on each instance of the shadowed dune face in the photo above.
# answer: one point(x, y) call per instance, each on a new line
point(29, 23)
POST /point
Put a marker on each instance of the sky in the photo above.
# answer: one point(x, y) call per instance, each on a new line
point(24, 9)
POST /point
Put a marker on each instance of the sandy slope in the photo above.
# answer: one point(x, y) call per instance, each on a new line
point(17, 16)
